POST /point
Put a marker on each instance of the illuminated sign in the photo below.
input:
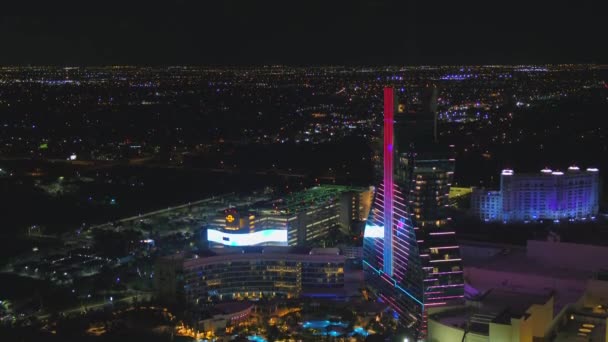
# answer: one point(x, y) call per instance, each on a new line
point(373, 231)
point(273, 236)
point(401, 108)
point(232, 219)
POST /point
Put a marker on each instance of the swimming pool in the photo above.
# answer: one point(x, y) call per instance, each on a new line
point(359, 331)
point(322, 324)
point(334, 329)
point(256, 338)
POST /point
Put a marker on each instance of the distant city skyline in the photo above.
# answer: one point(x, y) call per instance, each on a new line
point(337, 32)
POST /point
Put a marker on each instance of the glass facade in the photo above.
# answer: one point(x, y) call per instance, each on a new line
point(403, 289)
point(429, 187)
point(391, 260)
point(411, 258)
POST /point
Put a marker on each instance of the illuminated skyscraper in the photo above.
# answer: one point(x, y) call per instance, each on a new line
point(390, 250)
point(410, 266)
point(424, 173)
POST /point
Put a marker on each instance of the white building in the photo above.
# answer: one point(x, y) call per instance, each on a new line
point(548, 195)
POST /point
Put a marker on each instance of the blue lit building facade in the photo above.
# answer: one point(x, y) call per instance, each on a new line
point(397, 280)
point(548, 195)
point(486, 204)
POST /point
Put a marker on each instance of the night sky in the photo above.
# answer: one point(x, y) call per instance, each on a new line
point(245, 32)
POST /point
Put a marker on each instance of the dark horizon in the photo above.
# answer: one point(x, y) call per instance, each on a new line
point(313, 33)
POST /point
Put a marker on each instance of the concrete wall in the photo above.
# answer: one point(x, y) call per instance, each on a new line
point(500, 332)
point(540, 318)
point(525, 329)
point(472, 251)
point(569, 255)
point(438, 332)
point(597, 293)
point(535, 324)
point(516, 330)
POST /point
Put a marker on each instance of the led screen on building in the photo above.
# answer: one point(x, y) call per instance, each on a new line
point(275, 237)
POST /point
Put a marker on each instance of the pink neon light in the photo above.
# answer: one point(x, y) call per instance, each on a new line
point(443, 233)
point(386, 278)
point(447, 297)
point(453, 272)
point(434, 304)
point(447, 247)
point(444, 286)
point(389, 108)
point(392, 304)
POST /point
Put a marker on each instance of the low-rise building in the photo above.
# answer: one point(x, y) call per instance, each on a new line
point(496, 316)
point(545, 291)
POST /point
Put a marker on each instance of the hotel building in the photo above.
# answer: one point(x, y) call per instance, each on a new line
point(251, 272)
point(411, 266)
point(547, 195)
point(294, 220)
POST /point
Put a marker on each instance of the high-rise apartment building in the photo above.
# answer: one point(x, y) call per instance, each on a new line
point(425, 171)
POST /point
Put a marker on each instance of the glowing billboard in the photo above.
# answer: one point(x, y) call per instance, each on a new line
point(267, 236)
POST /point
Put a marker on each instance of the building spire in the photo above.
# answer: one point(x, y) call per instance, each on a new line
point(389, 108)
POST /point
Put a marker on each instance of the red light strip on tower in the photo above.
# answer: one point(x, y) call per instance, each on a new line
point(389, 108)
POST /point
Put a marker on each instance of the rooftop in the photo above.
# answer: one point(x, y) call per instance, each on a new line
point(496, 305)
point(295, 254)
point(572, 169)
point(516, 260)
point(296, 201)
point(512, 304)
